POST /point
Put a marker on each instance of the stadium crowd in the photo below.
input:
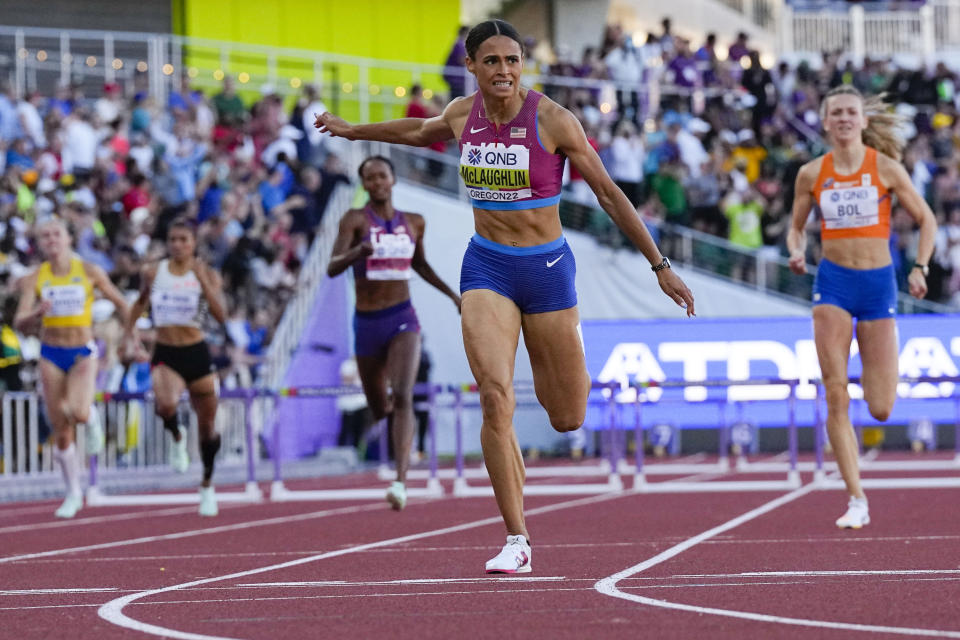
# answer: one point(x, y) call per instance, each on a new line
point(713, 139)
point(699, 135)
point(255, 179)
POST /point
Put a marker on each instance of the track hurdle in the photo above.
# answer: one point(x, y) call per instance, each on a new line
point(641, 469)
point(823, 482)
point(462, 487)
point(251, 493)
point(280, 493)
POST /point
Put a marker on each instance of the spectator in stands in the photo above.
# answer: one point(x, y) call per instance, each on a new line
point(626, 166)
point(228, 105)
point(739, 48)
point(625, 69)
point(417, 109)
point(455, 72)
point(759, 83)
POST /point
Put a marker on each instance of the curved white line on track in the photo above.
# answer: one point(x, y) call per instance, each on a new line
point(608, 586)
point(191, 533)
point(113, 611)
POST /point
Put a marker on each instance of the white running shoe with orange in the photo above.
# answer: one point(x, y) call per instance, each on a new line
point(857, 515)
point(515, 557)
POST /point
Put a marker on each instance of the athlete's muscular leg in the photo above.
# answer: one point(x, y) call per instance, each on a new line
point(203, 398)
point(373, 379)
point(79, 388)
point(491, 330)
point(54, 392)
point(878, 353)
point(168, 386)
point(403, 358)
point(560, 374)
point(833, 331)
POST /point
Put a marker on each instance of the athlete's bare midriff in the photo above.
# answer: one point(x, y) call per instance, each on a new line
point(519, 227)
point(179, 336)
point(66, 336)
point(858, 253)
point(374, 295)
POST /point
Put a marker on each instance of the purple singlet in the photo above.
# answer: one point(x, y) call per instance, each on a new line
point(507, 167)
point(393, 247)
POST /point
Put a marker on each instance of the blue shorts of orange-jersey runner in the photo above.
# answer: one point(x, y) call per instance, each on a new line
point(866, 294)
point(538, 279)
point(66, 357)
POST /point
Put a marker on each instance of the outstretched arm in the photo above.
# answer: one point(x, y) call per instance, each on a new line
point(802, 203)
point(423, 268)
point(416, 132)
point(568, 135)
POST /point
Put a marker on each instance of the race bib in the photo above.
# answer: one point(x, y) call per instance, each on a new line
point(65, 300)
point(391, 257)
point(496, 172)
point(850, 207)
point(175, 308)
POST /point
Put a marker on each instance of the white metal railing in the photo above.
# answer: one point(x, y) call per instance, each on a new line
point(932, 29)
point(286, 339)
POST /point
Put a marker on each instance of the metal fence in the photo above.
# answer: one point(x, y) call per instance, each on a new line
point(923, 33)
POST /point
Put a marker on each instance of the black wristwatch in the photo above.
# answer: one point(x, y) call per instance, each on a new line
point(924, 268)
point(664, 264)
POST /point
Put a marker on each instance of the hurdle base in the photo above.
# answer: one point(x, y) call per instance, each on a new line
point(462, 489)
point(279, 493)
point(96, 498)
point(719, 486)
point(895, 483)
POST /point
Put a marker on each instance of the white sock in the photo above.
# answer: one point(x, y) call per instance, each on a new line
point(860, 502)
point(69, 467)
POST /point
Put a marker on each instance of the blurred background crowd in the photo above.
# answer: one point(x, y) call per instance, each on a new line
point(704, 135)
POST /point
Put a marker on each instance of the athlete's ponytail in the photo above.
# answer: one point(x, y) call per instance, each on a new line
point(884, 130)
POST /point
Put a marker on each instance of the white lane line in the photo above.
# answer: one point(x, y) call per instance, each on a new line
point(113, 611)
point(379, 583)
point(193, 532)
point(858, 572)
point(54, 524)
point(6, 512)
point(40, 592)
point(331, 596)
point(608, 585)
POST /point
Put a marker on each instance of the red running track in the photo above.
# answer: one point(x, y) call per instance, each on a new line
point(359, 570)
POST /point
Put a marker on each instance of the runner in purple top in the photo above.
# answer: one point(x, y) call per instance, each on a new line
point(384, 246)
point(516, 273)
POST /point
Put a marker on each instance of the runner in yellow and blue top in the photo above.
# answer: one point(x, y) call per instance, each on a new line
point(59, 296)
point(518, 270)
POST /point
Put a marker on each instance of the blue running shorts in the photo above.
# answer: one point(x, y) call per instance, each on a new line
point(538, 279)
point(866, 294)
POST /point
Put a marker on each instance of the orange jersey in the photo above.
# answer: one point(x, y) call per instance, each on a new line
point(855, 205)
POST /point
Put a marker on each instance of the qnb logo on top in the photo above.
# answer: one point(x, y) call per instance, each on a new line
point(473, 156)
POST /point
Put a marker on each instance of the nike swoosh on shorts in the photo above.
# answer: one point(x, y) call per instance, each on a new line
point(550, 263)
